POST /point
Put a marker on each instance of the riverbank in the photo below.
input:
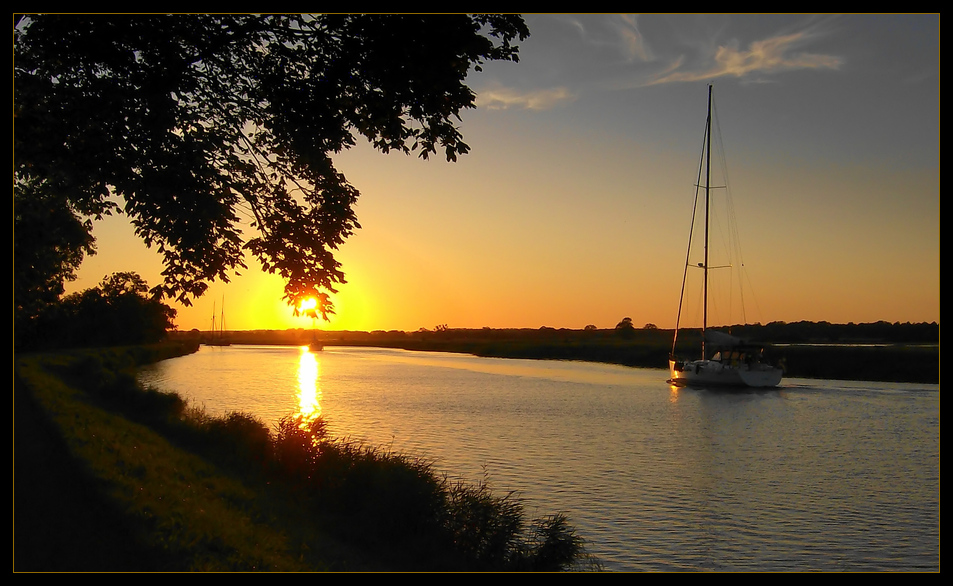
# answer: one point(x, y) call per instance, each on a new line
point(873, 352)
point(111, 477)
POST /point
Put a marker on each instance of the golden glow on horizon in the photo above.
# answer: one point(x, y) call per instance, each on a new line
point(579, 215)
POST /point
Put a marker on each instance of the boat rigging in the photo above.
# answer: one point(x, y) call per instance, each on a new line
point(725, 360)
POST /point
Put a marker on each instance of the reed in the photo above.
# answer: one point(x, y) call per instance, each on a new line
point(401, 504)
point(207, 493)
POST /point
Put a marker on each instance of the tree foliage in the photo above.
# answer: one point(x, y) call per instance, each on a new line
point(119, 311)
point(49, 242)
point(194, 125)
point(625, 324)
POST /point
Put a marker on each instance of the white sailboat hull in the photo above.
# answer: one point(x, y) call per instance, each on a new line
point(722, 374)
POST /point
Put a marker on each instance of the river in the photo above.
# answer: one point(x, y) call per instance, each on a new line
point(815, 475)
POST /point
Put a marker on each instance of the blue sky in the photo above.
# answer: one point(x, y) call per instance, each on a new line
point(573, 206)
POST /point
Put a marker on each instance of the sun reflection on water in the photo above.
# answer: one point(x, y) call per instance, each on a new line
point(309, 390)
point(673, 393)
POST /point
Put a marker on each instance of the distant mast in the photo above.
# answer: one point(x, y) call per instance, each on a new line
point(217, 335)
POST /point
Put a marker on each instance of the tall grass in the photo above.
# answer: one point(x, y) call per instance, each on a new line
point(429, 521)
point(178, 510)
point(310, 495)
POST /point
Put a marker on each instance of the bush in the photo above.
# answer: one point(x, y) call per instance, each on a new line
point(380, 498)
point(391, 504)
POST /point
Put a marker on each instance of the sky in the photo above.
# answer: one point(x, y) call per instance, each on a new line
point(574, 205)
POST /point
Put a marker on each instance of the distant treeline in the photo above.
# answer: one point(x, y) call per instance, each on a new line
point(874, 351)
point(809, 332)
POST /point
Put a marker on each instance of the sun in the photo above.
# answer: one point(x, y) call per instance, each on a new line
point(309, 304)
point(315, 306)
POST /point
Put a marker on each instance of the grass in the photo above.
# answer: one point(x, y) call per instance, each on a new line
point(109, 476)
point(178, 510)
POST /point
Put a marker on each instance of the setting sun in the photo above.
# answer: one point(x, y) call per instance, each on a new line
point(302, 292)
point(309, 304)
point(486, 242)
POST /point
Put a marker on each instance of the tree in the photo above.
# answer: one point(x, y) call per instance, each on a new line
point(119, 311)
point(625, 324)
point(625, 328)
point(49, 242)
point(185, 123)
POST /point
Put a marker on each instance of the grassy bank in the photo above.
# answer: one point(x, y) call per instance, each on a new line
point(109, 476)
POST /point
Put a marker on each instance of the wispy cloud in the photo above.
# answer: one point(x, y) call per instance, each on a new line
point(617, 35)
point(577, 55)
point(632, 39)
point(502, 98)
point(762, 57)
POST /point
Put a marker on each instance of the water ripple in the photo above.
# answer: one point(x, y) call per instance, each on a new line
point(818, 475)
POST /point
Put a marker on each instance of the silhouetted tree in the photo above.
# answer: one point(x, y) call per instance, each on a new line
point(119, 311)
point(625, 328)
point(49, 242)
point(186, 122)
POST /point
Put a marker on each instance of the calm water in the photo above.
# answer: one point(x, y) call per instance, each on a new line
point(816, 475)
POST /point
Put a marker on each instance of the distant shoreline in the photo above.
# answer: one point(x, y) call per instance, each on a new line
point(875, 352)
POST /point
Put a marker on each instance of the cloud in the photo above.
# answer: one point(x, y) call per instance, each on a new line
point(617, 34)
point(632, 39)
point(767, 56)
point(501, 98)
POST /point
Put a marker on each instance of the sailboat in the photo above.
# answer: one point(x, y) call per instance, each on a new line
point(217, 337)
point(725, 360)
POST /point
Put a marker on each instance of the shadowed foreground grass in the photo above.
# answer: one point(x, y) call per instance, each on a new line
point(109, 476)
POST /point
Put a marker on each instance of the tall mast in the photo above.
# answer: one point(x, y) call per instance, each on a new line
point(707, 200)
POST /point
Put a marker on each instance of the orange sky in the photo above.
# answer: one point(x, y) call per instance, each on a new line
point(573, 206)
